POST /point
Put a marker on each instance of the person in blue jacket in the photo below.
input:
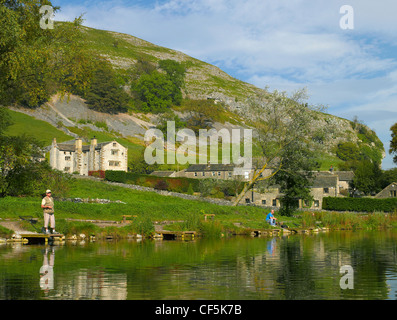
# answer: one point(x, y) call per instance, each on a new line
point(271, 219)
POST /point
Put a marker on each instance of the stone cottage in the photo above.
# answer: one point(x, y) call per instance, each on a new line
point(324, 184)
point(389, 192)
point(74, 157)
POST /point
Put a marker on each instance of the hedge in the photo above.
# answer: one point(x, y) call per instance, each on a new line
point(360, 204)
point(172, 184)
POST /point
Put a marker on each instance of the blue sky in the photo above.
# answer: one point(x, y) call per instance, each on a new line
point(284, 44)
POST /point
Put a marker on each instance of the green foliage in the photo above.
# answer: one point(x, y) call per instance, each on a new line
point(294, 178)
point(104, 93)
point(35, 63)
point(162, 183)
point(179, 124)
point(155, 92)
point(388, 177)
point(393, 142)
point(360, 204)
point(367, 177)
point(348, 151)
point(175, 71)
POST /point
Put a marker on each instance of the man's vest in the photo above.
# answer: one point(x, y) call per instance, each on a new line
point(49, 201)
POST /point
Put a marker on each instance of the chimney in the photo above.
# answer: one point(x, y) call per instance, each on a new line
point(94, 142)
point(78, 145)
point(54, 142)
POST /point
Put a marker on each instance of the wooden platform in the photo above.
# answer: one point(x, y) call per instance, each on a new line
point(177, 235)
point(41, 238)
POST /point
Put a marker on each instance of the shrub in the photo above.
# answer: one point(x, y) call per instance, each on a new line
point(161, 185)
point(360, 204)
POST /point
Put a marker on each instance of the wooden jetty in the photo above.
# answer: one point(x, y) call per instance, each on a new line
point(177, 235)
point(41, 238)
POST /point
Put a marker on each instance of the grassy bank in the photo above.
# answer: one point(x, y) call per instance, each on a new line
point(188, 215)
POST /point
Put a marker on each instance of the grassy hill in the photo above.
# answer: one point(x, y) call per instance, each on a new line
point(65, 120)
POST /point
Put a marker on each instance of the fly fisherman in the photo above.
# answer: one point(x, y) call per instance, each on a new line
point(48, 209)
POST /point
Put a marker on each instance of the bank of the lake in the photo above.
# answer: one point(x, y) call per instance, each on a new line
point(145, 213)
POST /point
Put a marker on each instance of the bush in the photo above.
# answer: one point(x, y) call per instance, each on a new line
point(173, 184)
point(161, 185)
point(360, 204)
point(97, 174)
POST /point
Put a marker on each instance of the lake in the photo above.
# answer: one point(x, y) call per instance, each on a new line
point(240, 268)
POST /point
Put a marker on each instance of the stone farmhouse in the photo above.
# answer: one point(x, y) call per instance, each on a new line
point(74, 157)
point(324, 184)
point(389, 192)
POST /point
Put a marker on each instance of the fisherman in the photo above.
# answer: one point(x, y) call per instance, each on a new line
point(271, 219)
point(48, 209)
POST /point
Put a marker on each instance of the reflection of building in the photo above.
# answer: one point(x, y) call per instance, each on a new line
point(76, 157)
point(93, 285)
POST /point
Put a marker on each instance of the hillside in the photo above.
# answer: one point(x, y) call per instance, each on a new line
point(71, 116)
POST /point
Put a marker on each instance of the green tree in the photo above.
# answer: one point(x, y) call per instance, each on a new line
point(282, 123)
point(295, 177)
point(348, 151)
point(388, 177)
point(155, 92)
point(20, 169)
point(393, 142)
point(34, 62)
point(104, 93)
point(367, 177)
point(176, 73)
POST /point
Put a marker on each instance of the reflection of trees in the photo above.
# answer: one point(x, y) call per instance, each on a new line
point(295, 267)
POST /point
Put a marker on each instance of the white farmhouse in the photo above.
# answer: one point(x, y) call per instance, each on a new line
point(78, 158)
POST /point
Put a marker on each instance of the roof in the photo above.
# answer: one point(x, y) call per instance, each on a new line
point(162, 173)
point(391, 186)
point(324, 181)
point(210, 167)
point(345, 175)
point(70, 146)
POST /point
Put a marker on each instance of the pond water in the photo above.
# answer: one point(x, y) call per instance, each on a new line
point(240, 268)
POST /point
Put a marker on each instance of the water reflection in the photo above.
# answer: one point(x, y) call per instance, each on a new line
point(295, 267)
point(47, 270)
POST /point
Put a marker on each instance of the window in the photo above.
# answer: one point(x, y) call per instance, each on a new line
point(213, 174)
point(274, 203)
point(326, 190)
point(114, 152)
point(393, 193)
point(66, 169)
point(219, 173)
point(114, 163)
point(316, 203)
point(114, 144)
point(195, 174)
point(67, 158)
point(247, 200)
point(246, 175)
point(230, 174)
point(264, 202)
point(203, 174)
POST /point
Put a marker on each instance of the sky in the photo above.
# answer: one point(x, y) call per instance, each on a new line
point(346, 58)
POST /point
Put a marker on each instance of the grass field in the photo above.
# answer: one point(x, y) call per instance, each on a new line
point(150, 207)
point(38, 129)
